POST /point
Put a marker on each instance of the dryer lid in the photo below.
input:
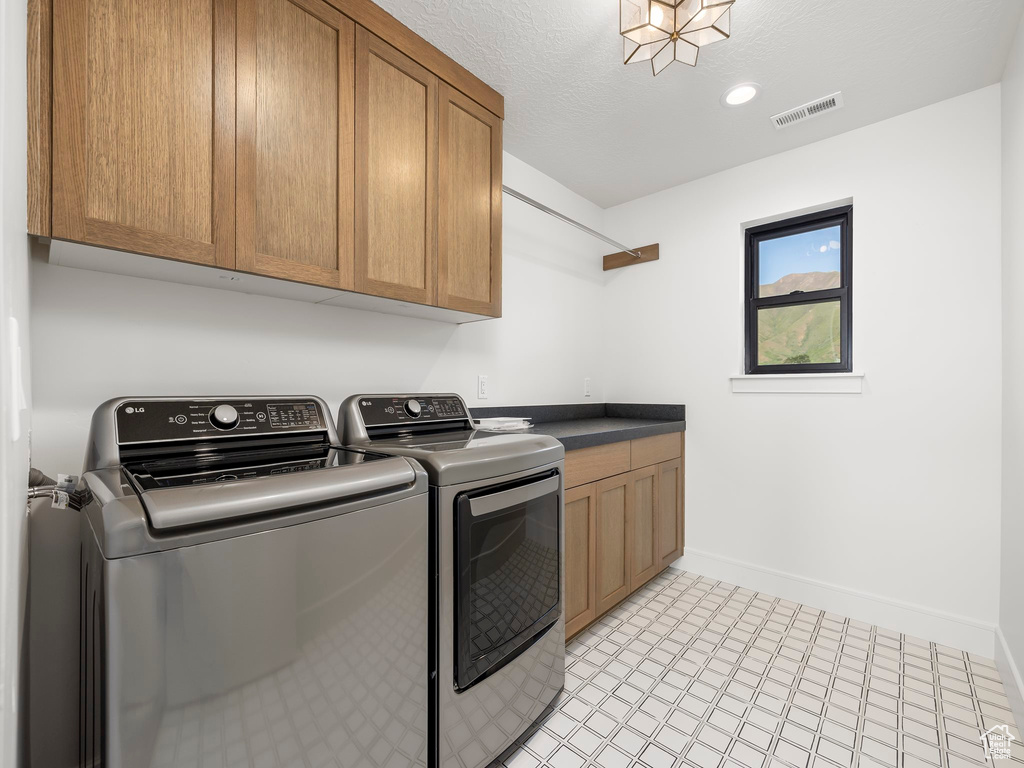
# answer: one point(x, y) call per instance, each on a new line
point(468, 456)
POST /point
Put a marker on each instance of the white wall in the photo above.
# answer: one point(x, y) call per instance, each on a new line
point(891, 494)
point(97, 336)
point(1011, 612)
point(14, 414)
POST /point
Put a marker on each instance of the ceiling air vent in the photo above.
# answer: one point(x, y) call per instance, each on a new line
point(807, 111)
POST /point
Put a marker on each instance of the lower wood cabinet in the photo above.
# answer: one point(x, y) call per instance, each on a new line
point(623, 530)
point(644, 526)
point(670, 505)
point(614, 507)
point(580, 556)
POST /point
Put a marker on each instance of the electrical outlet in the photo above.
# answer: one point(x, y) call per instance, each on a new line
point(481, 387)
point(586, 387)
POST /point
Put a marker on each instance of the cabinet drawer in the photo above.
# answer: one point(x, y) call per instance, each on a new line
point(586, 465)
point(654, 450)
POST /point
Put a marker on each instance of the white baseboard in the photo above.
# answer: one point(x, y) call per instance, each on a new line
point(949, 629)
point(1012, 681)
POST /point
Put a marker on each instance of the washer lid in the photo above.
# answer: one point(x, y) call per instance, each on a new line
point(278, 488)
point(466, 456)
point(127, 522)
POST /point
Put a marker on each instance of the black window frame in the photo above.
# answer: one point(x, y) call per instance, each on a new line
point(843, 216)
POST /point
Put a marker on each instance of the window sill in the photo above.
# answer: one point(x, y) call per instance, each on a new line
point(800, 383)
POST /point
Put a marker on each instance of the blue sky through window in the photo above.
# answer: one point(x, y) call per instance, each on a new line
point(816, 251)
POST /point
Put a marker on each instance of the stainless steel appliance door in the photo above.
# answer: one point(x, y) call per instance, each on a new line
point(507, 572)
point(299, 645)
point(476, 724)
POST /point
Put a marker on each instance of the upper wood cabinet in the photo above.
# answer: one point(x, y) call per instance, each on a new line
point(396, 173)
point(144, 126)
point(316, 141)
point(469, 225)
point(296, 112)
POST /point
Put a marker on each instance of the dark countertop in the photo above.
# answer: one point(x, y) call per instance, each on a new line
point(589, 424)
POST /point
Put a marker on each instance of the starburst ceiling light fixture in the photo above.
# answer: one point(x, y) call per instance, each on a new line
point(663, 31)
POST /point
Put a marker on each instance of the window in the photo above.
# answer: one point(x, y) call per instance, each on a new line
point(798, 307)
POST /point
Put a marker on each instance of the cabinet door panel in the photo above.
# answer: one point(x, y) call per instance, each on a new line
point(580, 558)
point(670, 511)
point(644, 527)
point(614, 546)
point(296, 150)
point(469, 226)
point(144, 126)
point(396, 173)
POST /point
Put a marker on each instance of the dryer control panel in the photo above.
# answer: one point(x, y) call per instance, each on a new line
point(387, 410)
point(148, 421)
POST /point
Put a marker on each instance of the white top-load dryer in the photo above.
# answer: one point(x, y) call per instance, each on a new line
point(498, 641)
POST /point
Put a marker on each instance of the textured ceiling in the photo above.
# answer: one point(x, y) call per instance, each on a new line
point(614, 133)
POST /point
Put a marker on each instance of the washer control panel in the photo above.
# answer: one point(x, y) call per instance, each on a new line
point(146, 421)
point(387, 410)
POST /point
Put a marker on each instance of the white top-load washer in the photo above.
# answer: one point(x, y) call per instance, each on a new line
point(252, 594)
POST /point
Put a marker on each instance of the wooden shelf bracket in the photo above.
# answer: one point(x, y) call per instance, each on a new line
point(629, 258)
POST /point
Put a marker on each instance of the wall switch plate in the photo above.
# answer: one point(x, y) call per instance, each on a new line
point(586, 387)
point(481, 387)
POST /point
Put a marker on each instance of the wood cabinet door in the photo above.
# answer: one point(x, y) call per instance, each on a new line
point(580, 558)
point(614, 511)
point(646, 561)
point(469, 205)
point(396, 174)
point(296, 144)
point(144, 126)
point(670, 512)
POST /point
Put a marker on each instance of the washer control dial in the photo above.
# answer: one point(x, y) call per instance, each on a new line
point(224, 417)
point(413, 408)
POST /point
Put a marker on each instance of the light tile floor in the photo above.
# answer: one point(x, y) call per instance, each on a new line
point(695, 673)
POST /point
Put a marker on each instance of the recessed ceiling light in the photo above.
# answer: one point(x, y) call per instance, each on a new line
point(740, 94)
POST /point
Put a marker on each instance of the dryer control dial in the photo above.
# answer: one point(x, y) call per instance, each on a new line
point(224, 417)
point(413, 408)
